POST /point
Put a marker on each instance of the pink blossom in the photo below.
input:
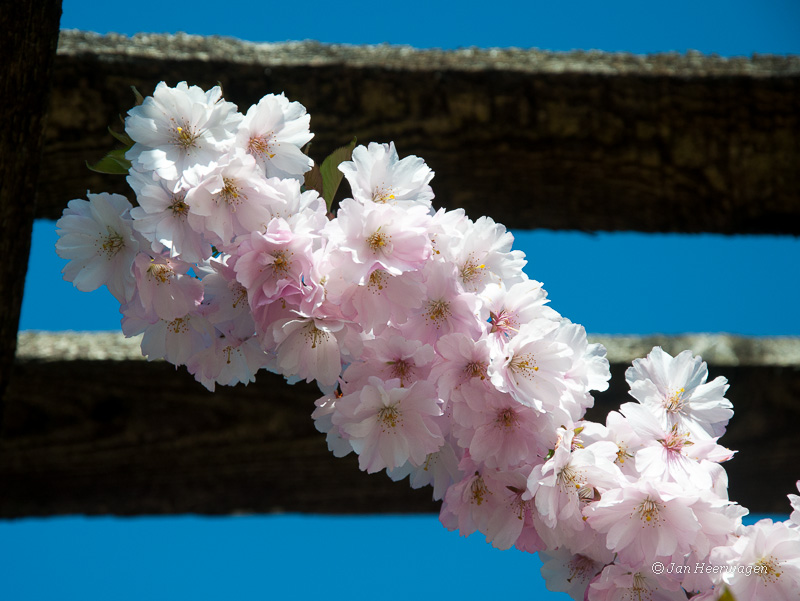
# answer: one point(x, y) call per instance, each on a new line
point(338, 444)
point(377, 175)
point(589, 369)
point(620, 582)
point(463, 364)
point(439, 470)
point(309, 347)
point(469, 503)
point(378, 236)
point(532, 365)
point(164, 288)
point(97, 239)
point(570, 573)
point(162, 217)
point(225, 300)
point(382, 301)
point(795, 502)
point(227, 361)
point(231, 198)
point(175, 340)
point(675, 389)
point(388, 425)
point(269, 262)
point(567, 481)
point(672, 455)
point(178, 128)
point(645, 520)
point(498, 431)
point(513, 512)
point(483, 256)
point(445, 309)
point(391, 356)
point(510, 307)
point(274, 131)
point(763, 563)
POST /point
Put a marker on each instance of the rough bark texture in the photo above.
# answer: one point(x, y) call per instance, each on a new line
point(28, 48)
point(578, 140)
point(130, 437)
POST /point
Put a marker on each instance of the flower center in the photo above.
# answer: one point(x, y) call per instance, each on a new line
point(570, 478)
point(178, 207)
point(475, 370)
point(281, 262)
point(524, 365)
point(622, 453)
point(112, 243)
point(230, 193)
point(502, 322)
point(438, 311)
point(471, 271)
point(377, 240)
point(382, 195)
point(674, 403)
point(377, 279)
point(389, 417)
point(261, 145)
point(179, 326)
point(639, 588)
point(184, 137)
point(648, 510)
point(506, 418)
point(239, 293)
point(430, 461)
point(160, 272)
point(768, 569)
point(675, 441)
point(478, 490)
point(400, 369)
point(315, 335)
point(581, 567)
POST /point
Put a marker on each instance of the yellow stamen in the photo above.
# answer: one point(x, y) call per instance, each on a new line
point(161, 272)
point(389, 417)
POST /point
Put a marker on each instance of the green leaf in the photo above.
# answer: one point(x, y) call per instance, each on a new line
point(313, 180)
point(124, 138)
point(331, 176)
point(726, 595)
point(137, 95)
point(114, 163)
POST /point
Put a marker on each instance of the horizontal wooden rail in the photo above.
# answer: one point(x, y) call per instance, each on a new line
point(579, 140)
point(90, 428)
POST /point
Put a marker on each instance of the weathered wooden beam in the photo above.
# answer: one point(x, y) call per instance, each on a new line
point(101, 431)
point(579, 140)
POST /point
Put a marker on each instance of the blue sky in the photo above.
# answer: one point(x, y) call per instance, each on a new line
point(621, 283)
point(728, 27)
point(612, 283)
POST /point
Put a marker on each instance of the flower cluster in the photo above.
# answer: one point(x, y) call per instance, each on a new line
point(439, 360)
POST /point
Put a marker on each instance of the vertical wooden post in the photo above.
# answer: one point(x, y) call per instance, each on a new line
point(28, 47)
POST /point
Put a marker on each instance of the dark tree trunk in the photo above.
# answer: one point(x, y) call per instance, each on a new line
point(28, 47)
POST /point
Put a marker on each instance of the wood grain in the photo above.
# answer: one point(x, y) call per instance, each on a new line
point(130, 437)
point(587, 141)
